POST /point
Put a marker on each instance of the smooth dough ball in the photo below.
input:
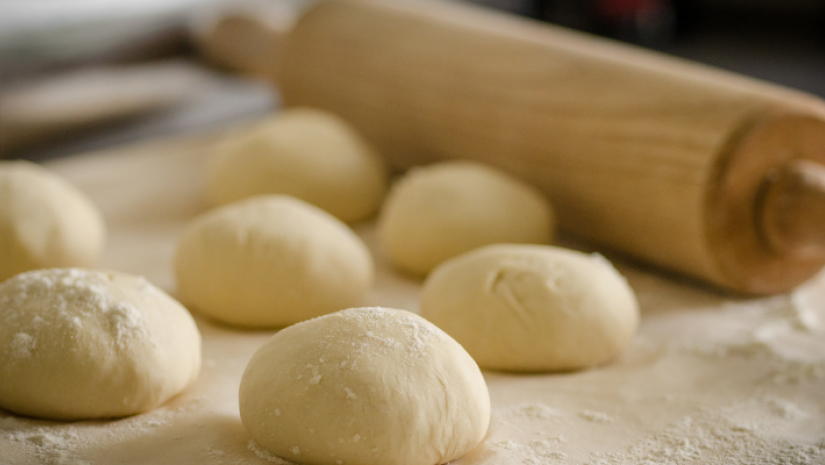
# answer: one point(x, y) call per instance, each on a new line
point(45, 222)
point(306, 153)
point(271, 261)
point(532, 308)
point(78, 344)
point(366, 386)
point(440, 211)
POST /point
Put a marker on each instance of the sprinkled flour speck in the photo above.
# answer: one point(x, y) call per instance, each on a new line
point(264, 454)
point(596, 417)
point(786, 409)
point(795, 373)
point(22, 345)
point(316, 378)
point(536, 411)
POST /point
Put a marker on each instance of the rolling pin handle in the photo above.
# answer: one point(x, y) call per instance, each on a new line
point(793, 209)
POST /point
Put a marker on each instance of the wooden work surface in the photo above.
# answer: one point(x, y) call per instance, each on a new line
point(708, 379)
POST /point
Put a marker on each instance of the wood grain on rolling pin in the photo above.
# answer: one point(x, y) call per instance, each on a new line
point(650, 155)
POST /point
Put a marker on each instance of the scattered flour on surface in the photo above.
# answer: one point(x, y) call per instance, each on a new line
point(785, 408)
point(772, 318)
point(51, 446)
point(802, 312)
point(712, 438)
point(750, 348)
point(538, 452)
point(596, 417)
point(66, 443)
point(264, 454)
point(536, 411)
point(799, 373)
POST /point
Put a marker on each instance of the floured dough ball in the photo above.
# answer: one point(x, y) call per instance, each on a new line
point(532, 308)
point(306, 153)
point(271, 261)
point(440, 211)
point(45, 222)
point(78, 344)
point(366, 386)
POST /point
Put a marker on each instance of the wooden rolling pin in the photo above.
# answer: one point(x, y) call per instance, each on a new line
point(697, 170)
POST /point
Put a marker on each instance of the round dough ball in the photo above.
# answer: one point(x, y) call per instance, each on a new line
point(45, 222)
point(306, 153)
point(271, 261)
point(532, 308)
point(78, 344)
point(440, 211)
point(366, 386)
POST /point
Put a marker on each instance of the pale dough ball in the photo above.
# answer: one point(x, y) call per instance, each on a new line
point(306, 153)
point(440, 211)
point(78, 344)
point(45, 222)
point(366, 386)
point(532, 308)
point(271, 261)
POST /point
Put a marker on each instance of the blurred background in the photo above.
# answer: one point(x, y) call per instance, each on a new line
point(80, 75)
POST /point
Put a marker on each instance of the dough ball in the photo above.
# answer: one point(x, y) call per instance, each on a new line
point(271, 261)
point(306, 153)
point(532, 308)
point(440, 211)
point(45, 222)
point(78, 344)
point(366, 386)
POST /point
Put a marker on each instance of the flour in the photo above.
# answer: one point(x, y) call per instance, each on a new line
point(75, 296)
point(126, 321)
point(748, 349)
point(786, 409)
point(316, 377)
point(803, 312)
point(418, 336)
point(264, 454)
point(796, 373)
point(53, 446)
point(376, 336)
point(537, 452)
point(761, 327)
point(536, 411)
point(712, 438)
point(596, 417)
point(21, 346)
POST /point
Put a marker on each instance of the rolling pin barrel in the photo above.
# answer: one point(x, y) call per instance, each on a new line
point(681, 165)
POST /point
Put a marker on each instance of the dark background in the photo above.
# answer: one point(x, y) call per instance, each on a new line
point(781, 41)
